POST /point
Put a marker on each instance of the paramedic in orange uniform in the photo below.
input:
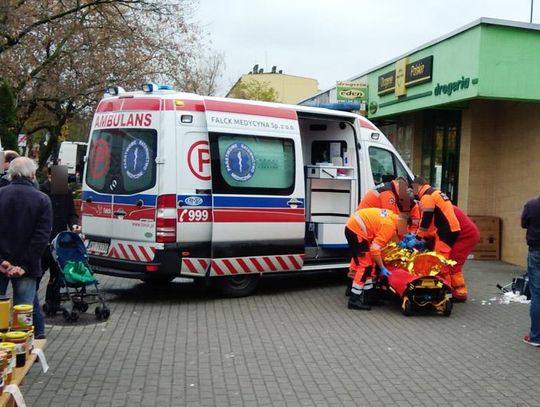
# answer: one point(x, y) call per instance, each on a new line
point(468, 237)
point(367, 232)
point(438, 218)
point(390, 195)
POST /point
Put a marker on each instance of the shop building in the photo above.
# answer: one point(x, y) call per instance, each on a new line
point(464, 112)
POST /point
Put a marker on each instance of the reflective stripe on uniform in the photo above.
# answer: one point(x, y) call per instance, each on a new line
point(360, 222)
point(358, 288)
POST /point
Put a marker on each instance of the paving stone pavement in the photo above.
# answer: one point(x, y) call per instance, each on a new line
point(294, 343)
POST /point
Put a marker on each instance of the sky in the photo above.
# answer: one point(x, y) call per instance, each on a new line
point(336, 39)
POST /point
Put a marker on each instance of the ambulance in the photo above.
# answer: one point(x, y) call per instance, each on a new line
point(180, 185)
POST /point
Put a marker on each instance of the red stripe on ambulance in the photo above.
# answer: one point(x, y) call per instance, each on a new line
point(134, 253)
point(269, 263)
point(253, 109)
point(295, 264)
point(367, 125)
point(124, 251)
point(129, 104)
point(195, 266)
point(233, 266)
point(244, 266)
point(257, 264)
point(259, 215)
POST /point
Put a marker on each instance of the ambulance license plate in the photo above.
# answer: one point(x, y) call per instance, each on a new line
point(98, 247)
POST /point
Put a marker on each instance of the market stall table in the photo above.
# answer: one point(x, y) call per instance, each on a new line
point(19, 374)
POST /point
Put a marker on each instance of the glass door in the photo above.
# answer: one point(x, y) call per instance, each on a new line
point(440, 152)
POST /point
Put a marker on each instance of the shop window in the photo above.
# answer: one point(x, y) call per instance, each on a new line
point(252, 165)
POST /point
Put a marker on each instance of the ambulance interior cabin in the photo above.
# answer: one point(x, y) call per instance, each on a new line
point(331, 183)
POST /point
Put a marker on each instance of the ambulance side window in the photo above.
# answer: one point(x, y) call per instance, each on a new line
point(243, 164)
point(385, 166)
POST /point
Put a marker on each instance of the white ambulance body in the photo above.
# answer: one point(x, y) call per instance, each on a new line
point(183, 185)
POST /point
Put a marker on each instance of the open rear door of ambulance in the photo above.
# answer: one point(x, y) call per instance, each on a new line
point(257, 193)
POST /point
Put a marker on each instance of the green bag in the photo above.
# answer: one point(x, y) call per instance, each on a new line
point(77, 272)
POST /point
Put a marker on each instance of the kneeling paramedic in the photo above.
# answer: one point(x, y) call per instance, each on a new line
point(368, 231)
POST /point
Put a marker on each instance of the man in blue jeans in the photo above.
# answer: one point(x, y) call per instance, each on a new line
point(530, 220)
point(25, 226)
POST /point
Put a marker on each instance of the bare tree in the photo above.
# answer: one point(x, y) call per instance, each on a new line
point(202, 76)
point(254, 90)
point(59, 56)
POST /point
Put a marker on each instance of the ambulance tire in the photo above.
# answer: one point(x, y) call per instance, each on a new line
point(237, 286)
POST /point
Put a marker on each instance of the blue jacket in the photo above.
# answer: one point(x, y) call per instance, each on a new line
point(25, 225)
point(530, 220)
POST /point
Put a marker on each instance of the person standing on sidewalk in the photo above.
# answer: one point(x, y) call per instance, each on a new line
point(530, 220)
point(64, 218)
point(26, 223)
point(9, 156)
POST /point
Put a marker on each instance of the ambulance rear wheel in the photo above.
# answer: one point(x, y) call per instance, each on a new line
point(237, 286)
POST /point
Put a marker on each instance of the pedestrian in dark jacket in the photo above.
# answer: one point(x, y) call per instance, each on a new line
point(25, 222)
point(64, 218)
point(530, 220)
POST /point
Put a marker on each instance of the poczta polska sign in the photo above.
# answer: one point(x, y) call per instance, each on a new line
point(405, 75)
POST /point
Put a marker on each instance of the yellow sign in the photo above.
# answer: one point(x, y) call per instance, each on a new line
point(401, 68)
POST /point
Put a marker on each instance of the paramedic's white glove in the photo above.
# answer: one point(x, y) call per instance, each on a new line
point(76, 229)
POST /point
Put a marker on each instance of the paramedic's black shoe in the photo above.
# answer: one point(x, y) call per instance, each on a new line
point(356, 302)
point(42, 336)
point(358, 305)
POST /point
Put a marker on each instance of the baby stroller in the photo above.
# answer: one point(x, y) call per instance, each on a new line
point(75, 276)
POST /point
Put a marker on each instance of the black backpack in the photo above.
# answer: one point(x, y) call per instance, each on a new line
point(521, 284)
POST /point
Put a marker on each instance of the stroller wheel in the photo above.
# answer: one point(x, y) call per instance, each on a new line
point(49, 309)
point(99, 312)
point(82, 306)
point(70, 316)
point(406, 306)
point(102, 313)
point(74, 316)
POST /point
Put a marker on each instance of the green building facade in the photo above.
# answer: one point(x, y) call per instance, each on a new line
point(464, 112)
